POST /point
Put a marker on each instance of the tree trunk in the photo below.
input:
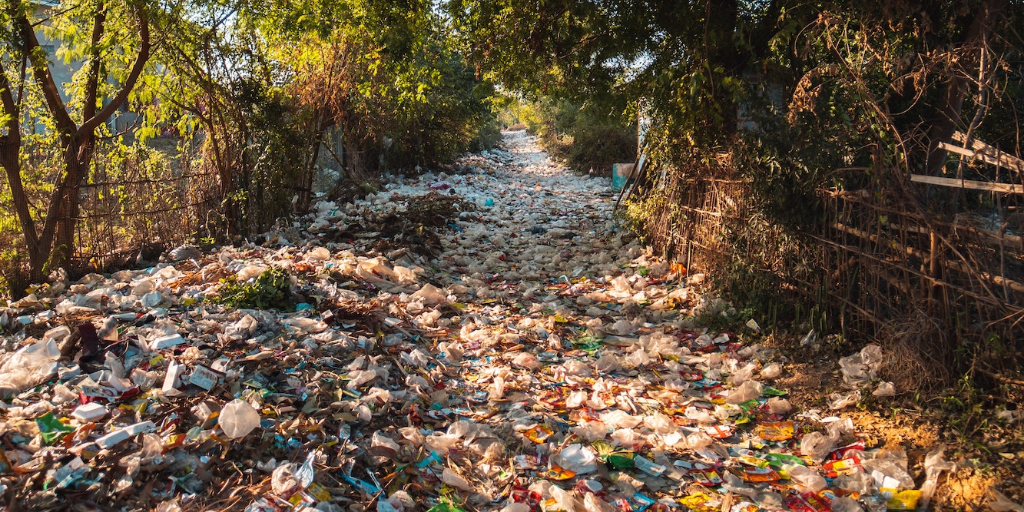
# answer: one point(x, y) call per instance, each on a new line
point(67, 213)
point(10, 160)
point(952, 99)
point(720, 43)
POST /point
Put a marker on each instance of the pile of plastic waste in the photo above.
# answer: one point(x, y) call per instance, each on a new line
point(540, 361)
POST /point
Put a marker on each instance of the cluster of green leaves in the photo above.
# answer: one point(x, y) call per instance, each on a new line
point(271, 289)
point(262, 83)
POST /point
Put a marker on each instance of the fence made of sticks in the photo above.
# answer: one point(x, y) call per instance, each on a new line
point(879, 259)
point(130, 212)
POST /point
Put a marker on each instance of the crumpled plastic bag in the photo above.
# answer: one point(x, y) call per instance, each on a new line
point(563, 498)
point(455, 480)
point(28, 367)
point(771, 371)
point(516, 507)
point(607, 363)
point(841, 401)
point(637, 358)
point(816, 446)
point(742, 375)
point(862, 367)
point(238, 418)
point(889, 469)
point(1000, 503)
point(381, 441)
point(859, 482)
point(749, 390)
point(934, 464)
point(526, 360)
point(844, 504)
point(577, 368)
point(779, 405)
point(884, 389)
point(283, 480)
point(578, 458)
point(805, 479)
point(736, 484)
point(430, 295)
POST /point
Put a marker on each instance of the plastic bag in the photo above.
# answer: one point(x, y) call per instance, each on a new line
point(637, 358)
point(779, 405)
point(771, 371)
point(623, 328)
point(283, 480)
point(841, 401)
point(607, 363)
point(238, 418)
point(430, 295)
point(884, 389)
point(453, 479)
point(934, 464)
point(859, 482)
point(889, 469)
point(563, 498)
point(578, 458)
point(29, 367)
point(742, 375)
point(749, 390)
point(844, 504)
point(1000, 503)
point(526, 360)
point(805, 479)
point(577, 368)
point(380, 440)
point(735, 484)
point(816, 446)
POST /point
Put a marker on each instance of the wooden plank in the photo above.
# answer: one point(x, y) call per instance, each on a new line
point(1002, 188)
point(984, 157)
point(989, 238)
point(995, 238)
point(976, 144)
point(1002, 158)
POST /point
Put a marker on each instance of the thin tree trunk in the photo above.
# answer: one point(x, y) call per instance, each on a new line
point(64, 246)
point(952, 100)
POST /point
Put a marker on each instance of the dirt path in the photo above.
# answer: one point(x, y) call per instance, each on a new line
point(481, 339)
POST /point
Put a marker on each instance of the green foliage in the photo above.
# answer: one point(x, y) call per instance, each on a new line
point(586, 136)
point(271, 289)
point(386, 77)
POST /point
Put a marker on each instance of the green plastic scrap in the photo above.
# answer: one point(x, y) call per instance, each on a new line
point(51, 428)
point(778, 460)
point(445, 506)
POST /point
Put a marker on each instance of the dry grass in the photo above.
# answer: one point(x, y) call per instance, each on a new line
point(917, 353)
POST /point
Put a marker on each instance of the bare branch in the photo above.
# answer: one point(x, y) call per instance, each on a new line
point(91, 123)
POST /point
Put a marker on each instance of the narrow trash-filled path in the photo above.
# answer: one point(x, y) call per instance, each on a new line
point(481, 339)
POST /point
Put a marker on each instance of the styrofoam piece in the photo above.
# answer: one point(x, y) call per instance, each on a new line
point(166, 342)
point(89, 412)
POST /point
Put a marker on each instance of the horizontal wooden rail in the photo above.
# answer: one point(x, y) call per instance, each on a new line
point(1002, 188)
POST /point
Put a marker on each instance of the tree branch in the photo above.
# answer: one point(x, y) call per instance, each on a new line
point(91, 123)
point(41, 72)
point(8, 99)
point(93, 78)
point(10, 147)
